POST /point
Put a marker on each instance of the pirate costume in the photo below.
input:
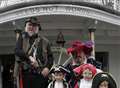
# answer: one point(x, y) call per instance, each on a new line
point(31, 76)
point(59, 81)
point(87, 72)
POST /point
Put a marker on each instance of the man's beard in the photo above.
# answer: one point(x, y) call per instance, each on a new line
point(32, 33)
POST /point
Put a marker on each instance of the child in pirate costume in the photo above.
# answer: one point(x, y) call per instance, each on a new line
point(103, 80)
point(86, 73)
point(59, 74)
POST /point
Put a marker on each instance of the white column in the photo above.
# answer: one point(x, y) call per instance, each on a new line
point(92, 38)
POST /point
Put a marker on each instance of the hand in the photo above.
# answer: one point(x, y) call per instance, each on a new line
point(33, 61)
point(45, 72)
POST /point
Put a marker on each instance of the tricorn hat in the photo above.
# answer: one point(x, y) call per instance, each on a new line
point(34, 21)
point(103, 76)
point(59, 68)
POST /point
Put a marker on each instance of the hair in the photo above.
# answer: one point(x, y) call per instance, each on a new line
point(100, 77)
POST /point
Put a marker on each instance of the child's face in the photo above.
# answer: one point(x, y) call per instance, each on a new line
point(104, 84)
point(59, 76)
point(87, 74)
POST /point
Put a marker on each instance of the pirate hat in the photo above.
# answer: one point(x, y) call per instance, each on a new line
point(77, 47)
point(34, 21)
point(79, 70)
point(88, 47)
point(59, 68)
point(103, 76)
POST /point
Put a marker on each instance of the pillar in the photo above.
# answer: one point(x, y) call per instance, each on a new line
point(92, 38)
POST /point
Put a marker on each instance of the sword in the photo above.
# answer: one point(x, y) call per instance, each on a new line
point(68, 60)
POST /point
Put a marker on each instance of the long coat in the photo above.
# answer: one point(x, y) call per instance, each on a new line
point(43, 53)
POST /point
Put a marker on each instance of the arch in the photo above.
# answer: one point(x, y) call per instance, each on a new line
point(59, 9)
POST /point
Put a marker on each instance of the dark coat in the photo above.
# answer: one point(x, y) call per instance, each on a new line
point(97, 64)
point(43, 49)
point(32, 79)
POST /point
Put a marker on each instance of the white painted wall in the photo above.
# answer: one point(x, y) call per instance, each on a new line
point(106, 40)
point(114, 60)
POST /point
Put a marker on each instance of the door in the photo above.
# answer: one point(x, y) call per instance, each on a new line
point(7, 73)
point(103, 58)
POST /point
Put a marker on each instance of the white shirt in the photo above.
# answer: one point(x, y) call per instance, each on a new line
point(58, 84)
point(85, 83)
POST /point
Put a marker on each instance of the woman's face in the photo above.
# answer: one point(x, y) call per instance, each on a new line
point(31, 28)
point(104, 84)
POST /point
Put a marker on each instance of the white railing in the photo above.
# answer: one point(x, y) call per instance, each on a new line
point(113, 4)
point(4, 3)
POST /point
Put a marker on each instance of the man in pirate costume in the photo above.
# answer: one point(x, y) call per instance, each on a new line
point(35, 56)
point(58, 74)
point(103, 80)
point(75, 50)
point(80, 52)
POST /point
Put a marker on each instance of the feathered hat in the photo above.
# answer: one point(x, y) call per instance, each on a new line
point(79, 70)
point(88, 47)
point(78, 46)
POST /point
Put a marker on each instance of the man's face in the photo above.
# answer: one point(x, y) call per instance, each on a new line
point(80, 58)
point(104, 84)
point(31, 28)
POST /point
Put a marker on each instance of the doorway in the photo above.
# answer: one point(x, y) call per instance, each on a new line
point(103, 58)
point(7, 62)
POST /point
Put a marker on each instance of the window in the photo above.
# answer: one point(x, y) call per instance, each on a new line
point(103, 58)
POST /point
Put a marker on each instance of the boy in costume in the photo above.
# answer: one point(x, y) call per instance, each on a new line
point(59, 74)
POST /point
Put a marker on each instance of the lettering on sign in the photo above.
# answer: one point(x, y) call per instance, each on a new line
point(58, 9)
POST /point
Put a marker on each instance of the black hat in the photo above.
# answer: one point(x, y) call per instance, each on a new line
point(59, 68)
point(100, 77)
point(33, 20)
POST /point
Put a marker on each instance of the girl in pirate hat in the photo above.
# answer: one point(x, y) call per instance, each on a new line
point(86, 73)
point(103, 80)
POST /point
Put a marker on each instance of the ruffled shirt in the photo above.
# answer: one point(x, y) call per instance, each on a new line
point(58, 84)
point(85, 83)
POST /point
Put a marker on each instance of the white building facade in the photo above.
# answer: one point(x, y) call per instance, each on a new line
point(71, 17)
